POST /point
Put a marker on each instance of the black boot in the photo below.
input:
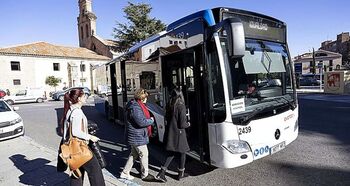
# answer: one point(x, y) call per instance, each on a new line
point(182, 174)
point(161, 176)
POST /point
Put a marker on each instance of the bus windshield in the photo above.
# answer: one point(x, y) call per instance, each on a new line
point(262, 78)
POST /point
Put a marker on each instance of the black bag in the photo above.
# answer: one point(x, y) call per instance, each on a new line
point(96, 149)
point(61, 166)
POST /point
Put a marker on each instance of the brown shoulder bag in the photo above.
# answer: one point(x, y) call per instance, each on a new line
point(75, 152)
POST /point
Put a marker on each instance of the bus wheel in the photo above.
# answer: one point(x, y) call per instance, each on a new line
point(10, 102)
point(39, 100)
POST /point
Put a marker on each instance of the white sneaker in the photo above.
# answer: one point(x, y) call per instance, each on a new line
point(126, 176)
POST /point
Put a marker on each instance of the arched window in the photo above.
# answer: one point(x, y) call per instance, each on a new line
point(87, 30)
point(337, 67)
point(81, 32)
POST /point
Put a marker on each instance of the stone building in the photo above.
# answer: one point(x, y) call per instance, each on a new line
point(28, 66)
point(328, 60)
point(88, 37)
point(341, 45)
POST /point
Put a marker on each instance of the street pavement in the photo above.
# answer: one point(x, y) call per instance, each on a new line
point(26, 162)
point(319, 156)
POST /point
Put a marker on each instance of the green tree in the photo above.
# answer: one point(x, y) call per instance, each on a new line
point(139, 27)
point(52, 81)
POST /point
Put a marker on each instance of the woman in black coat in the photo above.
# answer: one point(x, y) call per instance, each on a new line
point(175, 134)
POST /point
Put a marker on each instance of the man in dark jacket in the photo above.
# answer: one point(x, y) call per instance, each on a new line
point(138, 119)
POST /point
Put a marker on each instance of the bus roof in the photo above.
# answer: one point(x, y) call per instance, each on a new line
point(146, 41)
point(207, 15)
point(216, 13)
point(210, 16)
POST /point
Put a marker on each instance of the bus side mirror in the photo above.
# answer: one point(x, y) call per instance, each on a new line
point(235, 37)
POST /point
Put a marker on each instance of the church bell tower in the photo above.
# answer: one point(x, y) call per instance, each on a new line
point(86, 23)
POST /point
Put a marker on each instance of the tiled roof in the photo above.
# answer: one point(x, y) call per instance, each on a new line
point(44, 49)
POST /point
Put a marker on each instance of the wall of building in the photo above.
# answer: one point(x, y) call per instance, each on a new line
point(326, 61)
point(34, 71)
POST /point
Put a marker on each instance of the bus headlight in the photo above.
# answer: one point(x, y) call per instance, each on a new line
point(236, 146)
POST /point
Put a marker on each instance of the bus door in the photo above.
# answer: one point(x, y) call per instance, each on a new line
point(182, 69)
point(121, 93)
point(113, 113)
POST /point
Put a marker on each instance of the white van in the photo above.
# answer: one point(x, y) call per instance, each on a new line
point(26, 96)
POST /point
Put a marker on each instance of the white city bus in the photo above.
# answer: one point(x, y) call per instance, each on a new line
point(237, 77)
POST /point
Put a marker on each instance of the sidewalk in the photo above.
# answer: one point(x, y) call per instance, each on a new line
point(309, 91)
point(25, 162)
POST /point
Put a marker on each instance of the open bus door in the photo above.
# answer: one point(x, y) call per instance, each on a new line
point(118, 101)
point(183, 69)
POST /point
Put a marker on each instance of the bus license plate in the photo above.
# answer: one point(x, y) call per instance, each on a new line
point(277, 147)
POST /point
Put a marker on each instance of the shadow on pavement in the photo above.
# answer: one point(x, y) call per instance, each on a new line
point(59, 113)
point(326, 117)
point(304, 175)
point(116, 151)
point(37, 172)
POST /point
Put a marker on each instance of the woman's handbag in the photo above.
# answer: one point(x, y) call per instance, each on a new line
point(96, 149)
point(75, 152)
point(61, 165)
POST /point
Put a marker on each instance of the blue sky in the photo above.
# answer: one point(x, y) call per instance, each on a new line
point(309, 22)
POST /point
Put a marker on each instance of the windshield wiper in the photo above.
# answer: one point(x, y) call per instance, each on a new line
point(290, 103)
point(244, 120)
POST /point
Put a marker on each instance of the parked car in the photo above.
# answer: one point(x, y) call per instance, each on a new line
point(26, 96)
point(11, 124)
point(309, 80)
point(105, 91)
point(2, 93)
point(59, 95)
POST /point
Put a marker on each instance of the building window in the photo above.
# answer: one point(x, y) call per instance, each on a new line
point(150, 51)
point(180, 42)
point(82, 68)
point(170, 42)
point(175, 42)
point(330, 65)
point(15, 66)
point(87, 30)
point(16, 82)
point(82, 32)
point(311, 67)
point(56, 67)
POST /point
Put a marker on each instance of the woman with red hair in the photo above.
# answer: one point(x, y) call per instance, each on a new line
point(75, 118)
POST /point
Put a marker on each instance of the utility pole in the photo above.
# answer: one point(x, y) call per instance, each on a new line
point(313, 65)
point(81, 70)
point(320, 65)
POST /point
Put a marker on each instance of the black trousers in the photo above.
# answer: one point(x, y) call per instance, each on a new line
point(170, 157)
point(94, 171)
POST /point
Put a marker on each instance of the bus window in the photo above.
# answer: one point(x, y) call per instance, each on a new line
point(217, 111)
